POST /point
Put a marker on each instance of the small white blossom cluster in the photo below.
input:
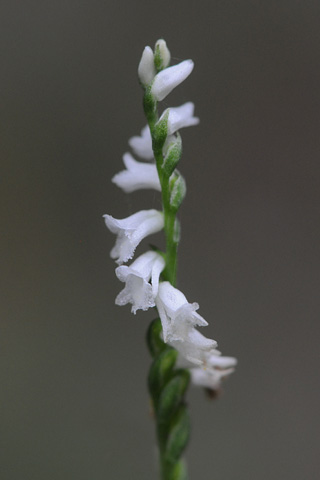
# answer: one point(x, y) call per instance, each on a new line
point(143, 286)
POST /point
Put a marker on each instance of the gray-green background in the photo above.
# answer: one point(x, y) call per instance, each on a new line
point(73, 398)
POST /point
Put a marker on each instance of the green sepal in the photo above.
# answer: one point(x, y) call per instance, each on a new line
point(172, 156)
point(161, 55)
point(178, 190)
point(170, 398)
point(159, 134)
point(158, 61)
point(161, 371)
point(154, 341)
point(179, 432)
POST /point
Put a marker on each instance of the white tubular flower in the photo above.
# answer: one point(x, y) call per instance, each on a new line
point(138, 290)
point(166, 80)
point(176, 314)
point(131, 230)
point(211, 377)
point(142, 145)
point(192, 346)
point(137, 176)
point(146, 68)
point(180, 117)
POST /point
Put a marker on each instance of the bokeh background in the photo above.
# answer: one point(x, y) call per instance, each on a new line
point(73, 399)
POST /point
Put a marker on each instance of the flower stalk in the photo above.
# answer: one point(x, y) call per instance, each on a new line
point(181, 354)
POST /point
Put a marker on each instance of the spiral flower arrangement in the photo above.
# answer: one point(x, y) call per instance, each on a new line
point(181, 353)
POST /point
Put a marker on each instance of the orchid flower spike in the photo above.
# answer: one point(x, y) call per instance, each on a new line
point(138, 290)
point(142, 145)
point(131, 230)
point(137, 176)
point(180, 117)
point(169, 78)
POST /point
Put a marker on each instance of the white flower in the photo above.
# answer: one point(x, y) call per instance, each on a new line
point(146, 68)
point(131, 231)
point(213, 369)
point(138, 175)
point(176, 314)
point(138, 290)
point(192, 346)
point(142, 145)
point(166, 80)
point(180, 117)
point(211, 377)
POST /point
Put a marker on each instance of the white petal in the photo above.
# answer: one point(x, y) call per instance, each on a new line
point(157, 268)
point(178, 307)
point(138, 175)
point(138, 290)
point(178, 317)
point(142, 145)
point(221, 362)
point(166, 80)
point(209, 378)
point(131, 230)
point(165, 319)
point(180, 117)
point(193, 346)
point(171, 296)
point(146, 68)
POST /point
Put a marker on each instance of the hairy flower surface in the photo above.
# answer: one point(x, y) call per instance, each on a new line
point(180, 117)
point(138, 290)
point(131, 230)
point(168, 79)
point(137, 176)
point(142, 144)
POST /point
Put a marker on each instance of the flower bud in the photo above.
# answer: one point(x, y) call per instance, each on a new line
point(178, 191)
point(146, 68)
point(161, 131)
point(161, 55)
point(172, 156)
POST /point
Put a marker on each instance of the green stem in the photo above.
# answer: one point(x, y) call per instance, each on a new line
point(170, 273)
point(167, 385)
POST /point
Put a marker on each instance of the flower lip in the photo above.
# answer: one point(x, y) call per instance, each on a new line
point(138, 290)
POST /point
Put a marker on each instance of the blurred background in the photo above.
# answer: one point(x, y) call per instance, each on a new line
point(74, 403)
